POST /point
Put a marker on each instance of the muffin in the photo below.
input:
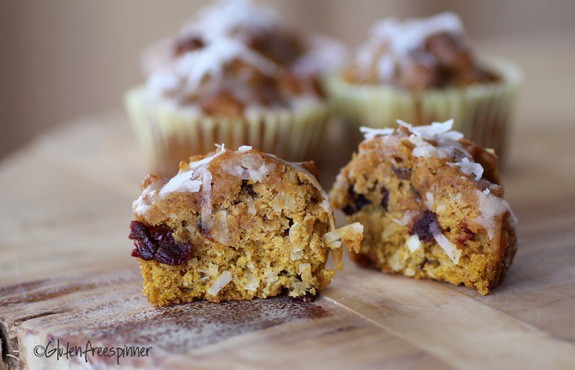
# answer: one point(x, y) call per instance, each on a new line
point(432, 207)
point(234, 75)
point(424, 70)
point(236, 225)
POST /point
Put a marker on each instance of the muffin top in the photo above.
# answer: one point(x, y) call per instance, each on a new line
point(234, 56)
point(418, 54)
point(444, 158)
point(208, 179)
point(219, 192)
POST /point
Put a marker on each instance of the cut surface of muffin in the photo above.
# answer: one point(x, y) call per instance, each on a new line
point(431, 203)
point(236, 225)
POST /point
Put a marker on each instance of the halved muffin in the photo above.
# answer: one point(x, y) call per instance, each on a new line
point(432, 206)
point(236, 225)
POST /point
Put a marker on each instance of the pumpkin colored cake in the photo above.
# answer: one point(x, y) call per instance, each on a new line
point(432, 206)
point(236, 225)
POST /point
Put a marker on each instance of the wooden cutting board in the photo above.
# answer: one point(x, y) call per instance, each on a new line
point(66, 275)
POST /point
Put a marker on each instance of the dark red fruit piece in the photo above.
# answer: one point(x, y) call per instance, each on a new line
point(157, 243)
point(357, 202)
point(422, 227)
point(402, 173)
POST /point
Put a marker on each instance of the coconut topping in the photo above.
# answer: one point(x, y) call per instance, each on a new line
point(404, 37)
point(470, 168)
point(228, 52)
point(401, 40)
point(417, 54)
point(439, 140)
point(369, 133)
point(210, 61)
point(435, 140)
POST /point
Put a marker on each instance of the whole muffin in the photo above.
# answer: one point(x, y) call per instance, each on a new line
point(234, 75)
point(236, 225)
point(422, 71)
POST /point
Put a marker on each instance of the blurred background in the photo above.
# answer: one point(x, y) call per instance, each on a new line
point(61, 59)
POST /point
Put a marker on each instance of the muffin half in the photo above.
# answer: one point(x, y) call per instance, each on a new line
point(432, 206)
point(236, 225)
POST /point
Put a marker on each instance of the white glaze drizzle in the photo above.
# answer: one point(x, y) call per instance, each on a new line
point(492, 207)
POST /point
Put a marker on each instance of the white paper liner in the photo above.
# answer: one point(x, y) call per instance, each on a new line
point(169, 134)
point(482, 112)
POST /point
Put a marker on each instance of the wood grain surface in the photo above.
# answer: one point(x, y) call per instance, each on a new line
point(66, 274)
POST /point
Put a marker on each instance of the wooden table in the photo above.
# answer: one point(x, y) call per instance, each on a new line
point(66, 273)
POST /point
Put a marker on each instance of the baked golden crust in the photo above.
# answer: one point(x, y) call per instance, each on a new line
point(252, 226)
point(423, 216)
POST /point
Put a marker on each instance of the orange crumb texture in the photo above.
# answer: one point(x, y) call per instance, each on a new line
point(258, 227)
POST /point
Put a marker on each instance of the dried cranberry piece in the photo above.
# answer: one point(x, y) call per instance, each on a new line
point(385, 198)
point(357, 202)
point(402, 173)
point(157, 243)
point(248, 188)
point(422, 227)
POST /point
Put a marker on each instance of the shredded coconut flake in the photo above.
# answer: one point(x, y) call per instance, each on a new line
point(244, 148)
point(429, 201)
point(406, 36)
point(223, 280)
point(452, 252)
point(470, 168)
point(413, 243)
point(211, 60)
point(435, 131)
point(181, 183)
point(369, 133)
point(407, 216)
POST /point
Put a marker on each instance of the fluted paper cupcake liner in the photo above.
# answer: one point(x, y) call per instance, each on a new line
point(169, 134)
point(482, 111)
